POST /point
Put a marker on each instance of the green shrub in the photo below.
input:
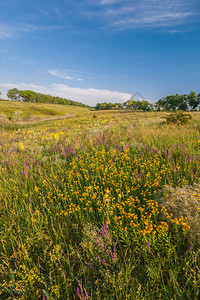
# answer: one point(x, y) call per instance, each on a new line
point(179, 118)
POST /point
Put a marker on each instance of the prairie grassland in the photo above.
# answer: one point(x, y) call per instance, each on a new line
point(100, 205)
point(33, 112)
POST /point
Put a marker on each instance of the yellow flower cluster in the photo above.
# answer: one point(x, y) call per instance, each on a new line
point(111, 185)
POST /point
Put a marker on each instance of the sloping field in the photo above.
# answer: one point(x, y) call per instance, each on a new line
point(37, 110)
point(99, 205)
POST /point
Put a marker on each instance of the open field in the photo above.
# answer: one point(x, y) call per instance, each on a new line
point(98, 205)
point(31, 112)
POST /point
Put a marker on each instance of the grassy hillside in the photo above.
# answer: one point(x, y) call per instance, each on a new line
point(39, 110)
point(100, 205)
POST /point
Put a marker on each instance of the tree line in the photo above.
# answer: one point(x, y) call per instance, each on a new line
point(30, 96)
point(184, 102)
point(130, 104)
point(179, 102)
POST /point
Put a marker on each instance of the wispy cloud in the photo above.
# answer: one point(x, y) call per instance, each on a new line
point(65, 74)
point(109, 2)
point(88, 96)
point(15, 30)
point(127, 14)
point(5, 31)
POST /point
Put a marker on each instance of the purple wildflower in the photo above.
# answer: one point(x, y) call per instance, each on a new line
point(82, 295)
point(115, 245)
point(78, 292)
point(25, 172)
point(52, 222)
point(104, 229)
point(91, 267)
point(114, 254)
point(101, 261)
point(148, 244)
point(97, 238)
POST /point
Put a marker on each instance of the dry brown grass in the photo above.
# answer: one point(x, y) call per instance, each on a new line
point(184, 201)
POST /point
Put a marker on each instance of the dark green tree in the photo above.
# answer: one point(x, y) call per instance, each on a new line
point(27, 96)
point(144, 105)
point(13, 94)
point(193, 100)
point(173, 102)
point(132, 104)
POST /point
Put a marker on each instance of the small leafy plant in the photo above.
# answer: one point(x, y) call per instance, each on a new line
point(179, 118)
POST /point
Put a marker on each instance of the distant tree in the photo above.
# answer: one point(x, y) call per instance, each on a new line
point(193, 100)
point(0, 94)
point(145, 105)
point(13, 94)
point(27, 96)
point(138, 105)
point(173, 102)
point(104, 106)
point(198, 98)
point(179, 102)
point(161, 104)
point(132, 104)
point(117, 106)
point(98, 106)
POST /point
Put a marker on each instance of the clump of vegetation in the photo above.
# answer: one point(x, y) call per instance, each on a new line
point(16, 117)
point(3, 119)
point(184, 204)
point(178, 118)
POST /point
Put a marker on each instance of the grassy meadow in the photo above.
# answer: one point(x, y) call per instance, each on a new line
point(98, 204)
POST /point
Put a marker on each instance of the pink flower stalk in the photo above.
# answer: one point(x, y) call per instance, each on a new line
point(148, 244)
point(101, 261)
point(104, 229)
point(82, 295)
point(25, 172)
point(52, 222)
point(97, 238)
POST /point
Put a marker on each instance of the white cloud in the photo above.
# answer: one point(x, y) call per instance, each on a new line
point(89, 96)
point(64, 75)
point(127, 14)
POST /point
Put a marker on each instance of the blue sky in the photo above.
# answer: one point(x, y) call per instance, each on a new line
point(100, 50)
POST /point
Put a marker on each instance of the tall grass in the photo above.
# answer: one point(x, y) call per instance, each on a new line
point(85, 212)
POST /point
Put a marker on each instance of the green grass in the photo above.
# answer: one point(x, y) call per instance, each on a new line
point(37, 109)
point(82, 206)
